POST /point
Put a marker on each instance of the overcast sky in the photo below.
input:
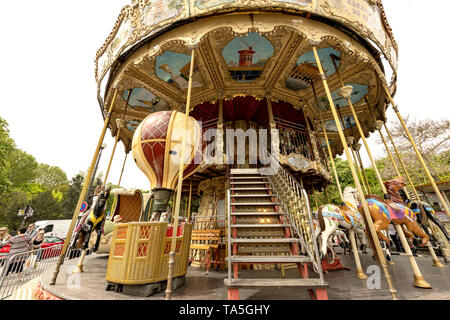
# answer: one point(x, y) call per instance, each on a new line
point(49, 92)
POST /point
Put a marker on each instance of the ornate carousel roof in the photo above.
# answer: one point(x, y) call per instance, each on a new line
point(259, 48)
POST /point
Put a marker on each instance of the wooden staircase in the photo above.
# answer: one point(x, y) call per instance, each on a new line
point(261, 231)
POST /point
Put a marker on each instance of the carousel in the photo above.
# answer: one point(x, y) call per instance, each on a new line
point(243, 106)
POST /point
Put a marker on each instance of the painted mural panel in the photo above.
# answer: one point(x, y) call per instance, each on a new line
point(123, 35)
point(204, 4)
point(246, 56)
point(306, 71)
point(174, 67)
point(133, 124)
point(142, 98)
point(297, 2)
point(160, 10)
point(359, 91)
point(349, 122)
point(362, 14)
point(323, 143)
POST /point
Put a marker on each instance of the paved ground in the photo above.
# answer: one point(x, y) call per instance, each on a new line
point(343, 283)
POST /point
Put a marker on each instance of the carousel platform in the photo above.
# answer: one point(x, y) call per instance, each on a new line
point(343, 285)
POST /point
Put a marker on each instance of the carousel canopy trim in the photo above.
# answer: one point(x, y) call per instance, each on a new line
point(144, 19)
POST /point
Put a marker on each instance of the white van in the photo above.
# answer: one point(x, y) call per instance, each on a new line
point(56, 228)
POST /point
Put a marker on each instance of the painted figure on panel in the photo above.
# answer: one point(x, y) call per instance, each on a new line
point(142, 98)
point(246, 56)
point(174, 67)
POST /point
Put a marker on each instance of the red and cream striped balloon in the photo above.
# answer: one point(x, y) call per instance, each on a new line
point(157, 145)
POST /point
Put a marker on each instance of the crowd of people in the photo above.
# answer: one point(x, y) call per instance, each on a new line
point(26, 239)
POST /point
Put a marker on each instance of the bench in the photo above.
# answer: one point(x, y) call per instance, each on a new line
point(207, 240)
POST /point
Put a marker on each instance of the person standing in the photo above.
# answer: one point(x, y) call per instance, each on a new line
point(37, 242)
point(32, 231)
point(395, 238)
point(19, 244)
point(4, 235)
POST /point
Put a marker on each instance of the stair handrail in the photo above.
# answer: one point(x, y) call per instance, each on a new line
point(228, 205)
point(305, 230)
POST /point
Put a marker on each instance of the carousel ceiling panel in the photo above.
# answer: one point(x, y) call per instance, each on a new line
point(349, 122)
point(142, 98)
point(245, 55)
point(359, 91)
point(132, 125)
point(305, 71)
point(173, 68)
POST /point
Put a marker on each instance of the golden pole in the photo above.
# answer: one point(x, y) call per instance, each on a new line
point(379, 125)
point(362, 167)
point(123, 167)
point(190, 199)
point(120, 125)
point(370, 225)
point(180, 182)
point(401, 162)
point(436, 261)
point(357, 164)
point(83, 192)
point(350, 141)
point(419, 281)
point(422, 162)
point(331, 159)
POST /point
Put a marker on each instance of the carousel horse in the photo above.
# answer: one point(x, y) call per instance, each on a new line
point(385, 211)
point(331, 216)
point(94, 222)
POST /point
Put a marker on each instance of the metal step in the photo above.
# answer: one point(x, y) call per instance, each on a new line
point(249, 182)
point(271, 240)
point(253, 196)
point(257, 283)
point(255, 203)
point(250, 189)
point(269, 259)
point(262, 225)
point(244, 171)
point(250, 178)
point(255, 213)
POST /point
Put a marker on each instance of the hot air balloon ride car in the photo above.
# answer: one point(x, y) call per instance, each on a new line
point(139, 251)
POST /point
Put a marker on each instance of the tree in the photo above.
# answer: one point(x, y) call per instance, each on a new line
point(71, 198)
point(50, 177)
point(345, 179)
point(433, 142)
point(6, 146)
point(22, 168)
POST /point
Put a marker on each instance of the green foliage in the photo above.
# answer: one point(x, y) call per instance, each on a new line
point(345, 179)
point(50, 177)
point(6, 146)
point(25, 182)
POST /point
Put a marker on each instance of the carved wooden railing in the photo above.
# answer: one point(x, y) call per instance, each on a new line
point(294, 138)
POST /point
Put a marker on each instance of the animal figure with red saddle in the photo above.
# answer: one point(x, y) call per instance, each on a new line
point(392, 209)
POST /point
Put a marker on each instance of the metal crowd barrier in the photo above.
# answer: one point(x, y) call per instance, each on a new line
point(20, 268)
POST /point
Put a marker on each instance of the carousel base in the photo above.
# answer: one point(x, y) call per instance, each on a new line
point(343, 284)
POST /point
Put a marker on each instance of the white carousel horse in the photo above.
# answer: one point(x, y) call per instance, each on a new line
point(346, 216)
point(331, 216)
